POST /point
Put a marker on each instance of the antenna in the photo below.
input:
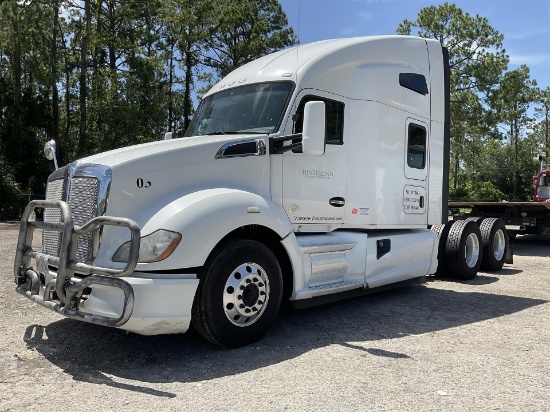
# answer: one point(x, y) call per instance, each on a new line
point(297, 60)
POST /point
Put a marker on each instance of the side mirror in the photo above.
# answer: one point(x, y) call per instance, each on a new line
point(49, 152)
point(167, 135)
point(313, 134)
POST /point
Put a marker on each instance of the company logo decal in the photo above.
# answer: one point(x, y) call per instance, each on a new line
point(293, 209)
point(317, 218)
point(316, 174)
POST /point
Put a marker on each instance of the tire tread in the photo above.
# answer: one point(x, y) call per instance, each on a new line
point(456, 239)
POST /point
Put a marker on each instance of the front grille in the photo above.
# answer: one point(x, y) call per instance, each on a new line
point(83, 202)
point(50, 239)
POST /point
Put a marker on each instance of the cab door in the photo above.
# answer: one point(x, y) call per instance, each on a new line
point(315, 187)
point(415, 190)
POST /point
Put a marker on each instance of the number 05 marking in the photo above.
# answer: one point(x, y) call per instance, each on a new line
point(143, 184)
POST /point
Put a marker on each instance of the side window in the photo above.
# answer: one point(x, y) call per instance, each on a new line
point(416, 151)
point(334, 132)
point(414, 81)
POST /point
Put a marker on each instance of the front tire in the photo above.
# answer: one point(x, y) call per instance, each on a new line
point(239, 294)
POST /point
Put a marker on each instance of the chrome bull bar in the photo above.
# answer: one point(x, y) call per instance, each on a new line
point(65, 285)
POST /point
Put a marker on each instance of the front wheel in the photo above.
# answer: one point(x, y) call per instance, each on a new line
point(239, 294)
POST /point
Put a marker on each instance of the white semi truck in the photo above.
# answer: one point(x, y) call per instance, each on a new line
point(308, 175)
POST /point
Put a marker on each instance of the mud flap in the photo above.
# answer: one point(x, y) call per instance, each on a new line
point(509, 258)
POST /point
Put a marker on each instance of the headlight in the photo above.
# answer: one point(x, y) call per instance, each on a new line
point(152, 248)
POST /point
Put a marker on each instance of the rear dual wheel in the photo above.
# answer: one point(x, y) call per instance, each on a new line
point(459, 252)
point(239, 294)
point(494, 240)
point(465, 246)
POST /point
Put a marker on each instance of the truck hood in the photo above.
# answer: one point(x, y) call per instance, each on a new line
point(145, 178)
point(116, 157)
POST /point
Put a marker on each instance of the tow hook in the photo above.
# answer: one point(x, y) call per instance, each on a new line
point(28, 275)
point(21, 277)
point(73, 302)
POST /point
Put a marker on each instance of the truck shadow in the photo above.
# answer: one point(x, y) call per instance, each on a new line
point(529, 245)
point(91, 353)
point(482, 278)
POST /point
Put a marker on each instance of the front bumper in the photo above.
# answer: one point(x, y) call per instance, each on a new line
point(161, 305)
point(139, 302)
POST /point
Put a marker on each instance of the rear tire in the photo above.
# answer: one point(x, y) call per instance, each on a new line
point(463, 252)
point(239, 294)
point(495, 244)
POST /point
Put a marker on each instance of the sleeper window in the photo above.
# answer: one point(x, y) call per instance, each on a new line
point(416, 154)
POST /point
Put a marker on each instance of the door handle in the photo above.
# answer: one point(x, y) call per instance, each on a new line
point(337, 201)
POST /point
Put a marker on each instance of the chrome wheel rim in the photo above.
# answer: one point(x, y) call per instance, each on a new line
point(499, 245)
point(246, 294)
point(472, 250)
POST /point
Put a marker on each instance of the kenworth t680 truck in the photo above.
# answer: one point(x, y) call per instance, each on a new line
point(307, 175)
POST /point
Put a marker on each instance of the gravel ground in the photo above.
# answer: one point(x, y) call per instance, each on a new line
point(478, 345)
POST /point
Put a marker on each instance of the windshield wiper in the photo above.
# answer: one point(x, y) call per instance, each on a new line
point(220, 132)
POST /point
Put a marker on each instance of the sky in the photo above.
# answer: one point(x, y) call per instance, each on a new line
point(525, 24)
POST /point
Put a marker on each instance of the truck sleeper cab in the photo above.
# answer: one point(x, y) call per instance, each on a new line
point(306, 175)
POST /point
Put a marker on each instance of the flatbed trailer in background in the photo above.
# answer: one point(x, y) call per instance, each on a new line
point(520, 217)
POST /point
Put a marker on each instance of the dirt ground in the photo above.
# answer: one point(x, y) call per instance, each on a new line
point(477, 345)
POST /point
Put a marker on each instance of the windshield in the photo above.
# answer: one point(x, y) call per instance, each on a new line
point(255, 108)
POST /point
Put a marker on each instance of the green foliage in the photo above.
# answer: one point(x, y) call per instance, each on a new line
point(245, 30)
point(11, 200)
point(511, 101)
point(486, 192)
point(540, 131)
point(477, 191)
point(460, 193)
